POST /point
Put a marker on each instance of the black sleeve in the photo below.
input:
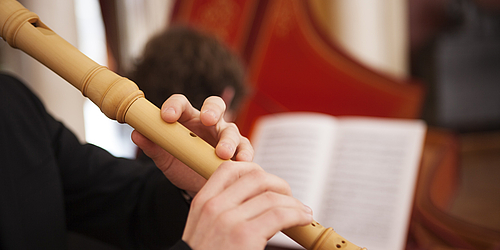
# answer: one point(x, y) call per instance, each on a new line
point(119, 201)
point(180, 245)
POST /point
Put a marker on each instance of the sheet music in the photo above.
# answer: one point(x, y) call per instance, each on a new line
point(371, 185)
point(357, 174)
point(295, 148)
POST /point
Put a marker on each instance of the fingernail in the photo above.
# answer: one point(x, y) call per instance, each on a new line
point(308, 209)
point(169, 111)
point(243, 156)
point(210, 112)
point(228, 146)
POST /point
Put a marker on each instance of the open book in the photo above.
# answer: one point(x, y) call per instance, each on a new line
point(358, 174)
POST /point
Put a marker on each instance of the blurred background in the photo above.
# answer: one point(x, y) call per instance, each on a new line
point(436, 60)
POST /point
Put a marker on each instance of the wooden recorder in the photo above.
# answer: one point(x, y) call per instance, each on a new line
point(120, 99)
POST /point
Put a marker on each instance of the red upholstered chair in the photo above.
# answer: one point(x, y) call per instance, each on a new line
point(294, 66)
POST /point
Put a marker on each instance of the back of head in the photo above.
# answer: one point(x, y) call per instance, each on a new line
point(182, 60)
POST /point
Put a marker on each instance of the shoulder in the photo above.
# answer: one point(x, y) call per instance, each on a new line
point(14, 91)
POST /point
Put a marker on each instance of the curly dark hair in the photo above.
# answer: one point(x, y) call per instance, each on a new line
point(181, 60)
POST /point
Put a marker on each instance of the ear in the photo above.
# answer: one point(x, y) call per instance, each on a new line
point(228, 95)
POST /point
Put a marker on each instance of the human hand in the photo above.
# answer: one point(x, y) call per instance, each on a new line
point(209, 125)
point(241, 207)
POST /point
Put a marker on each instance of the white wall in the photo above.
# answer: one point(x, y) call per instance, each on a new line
point(375, 32)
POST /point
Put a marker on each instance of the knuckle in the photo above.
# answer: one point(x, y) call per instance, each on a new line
point(245, 140)
point(228, 128)
point(269, 196)
point(272, 181)
point(258, 169)
point(278, 213)
point(226, 166)
point(197, 201)
point(211, 207)
point(264, 180)
point(259, 175)
point(233, 126)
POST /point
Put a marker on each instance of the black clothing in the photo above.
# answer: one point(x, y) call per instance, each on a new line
point(50, 183)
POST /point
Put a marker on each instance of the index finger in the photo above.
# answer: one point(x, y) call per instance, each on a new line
point(178, 108)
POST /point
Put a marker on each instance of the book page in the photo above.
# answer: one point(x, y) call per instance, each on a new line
point(371, 184)
point(297, 148)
